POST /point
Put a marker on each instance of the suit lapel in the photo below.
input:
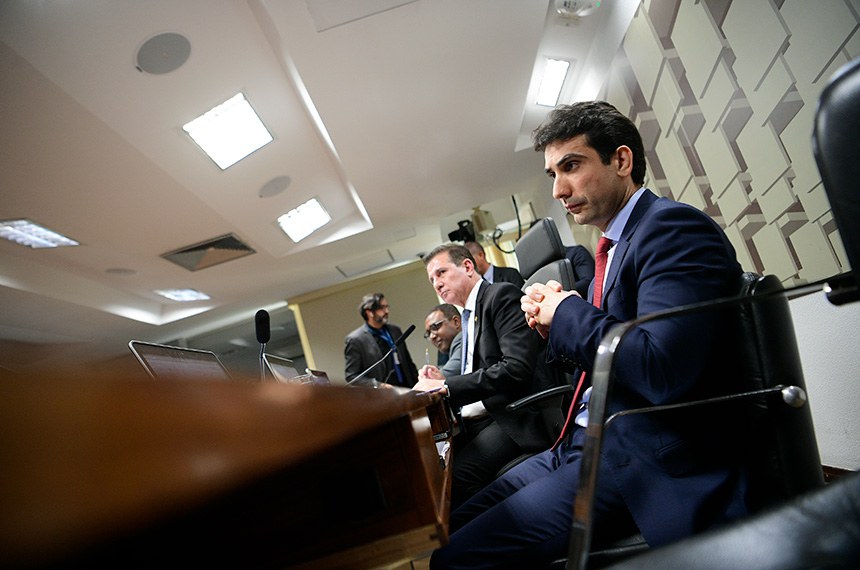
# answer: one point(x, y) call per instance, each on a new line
point(477, 315)
point(642, 206)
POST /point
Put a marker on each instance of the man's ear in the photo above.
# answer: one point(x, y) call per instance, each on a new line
point(624, 156)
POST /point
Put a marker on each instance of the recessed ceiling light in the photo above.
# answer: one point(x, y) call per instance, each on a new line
point(229, 132)
point(30, 234)
point(555, 70)
point(182, 295)
point(304, 220)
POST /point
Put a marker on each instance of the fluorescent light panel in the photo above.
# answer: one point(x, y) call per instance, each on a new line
point(229, 132)
point(30, 234)
point(182, 295)
point(554, 72)
point(304, 220)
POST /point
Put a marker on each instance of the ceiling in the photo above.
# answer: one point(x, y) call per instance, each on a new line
point(400, 116)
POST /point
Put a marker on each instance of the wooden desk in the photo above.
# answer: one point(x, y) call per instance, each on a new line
point(144, 473)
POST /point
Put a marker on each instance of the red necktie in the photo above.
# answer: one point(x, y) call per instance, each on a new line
point(600, 257)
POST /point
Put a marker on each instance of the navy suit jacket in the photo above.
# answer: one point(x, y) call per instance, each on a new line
point(678, 472)
point(583, 267)
point(506, 365)
point(508, 275)
point(362, 348)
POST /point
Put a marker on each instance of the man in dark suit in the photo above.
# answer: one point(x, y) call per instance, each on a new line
point(582, 263)
point(499, 366)
point(366, 345)
point(490, 272)
point(442, 328)
point(670, 475)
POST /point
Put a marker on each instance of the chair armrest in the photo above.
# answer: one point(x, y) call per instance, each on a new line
point(601, 383)
point(539, 397)
point(794, 396)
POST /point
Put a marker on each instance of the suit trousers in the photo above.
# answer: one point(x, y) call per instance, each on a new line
point(523, 518)
point(480, 451)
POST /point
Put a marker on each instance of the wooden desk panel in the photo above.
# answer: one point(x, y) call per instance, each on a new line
point(265, 475)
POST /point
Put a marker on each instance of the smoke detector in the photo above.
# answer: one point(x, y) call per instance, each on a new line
point(576, 8)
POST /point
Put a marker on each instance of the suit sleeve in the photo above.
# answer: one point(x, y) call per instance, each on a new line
point(453, 365)
point(353, 357)
point(507, 351)
point(676, 256)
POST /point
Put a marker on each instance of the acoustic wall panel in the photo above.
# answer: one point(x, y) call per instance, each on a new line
point(776, 83)
point(817, 33)
point(814, 252)
point(644, 53)
point(699, 43)
point(717, 158)
point(774, 251)
point(756, 35)
point(734, 201)
point(776, 201)
point(732, 134)
point(766, 160)
point(718, 95)
point(667, 98)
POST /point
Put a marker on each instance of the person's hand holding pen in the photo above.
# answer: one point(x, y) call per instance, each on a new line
point(430, 380)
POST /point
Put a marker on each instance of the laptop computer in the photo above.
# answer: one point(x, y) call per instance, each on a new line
point(163, 361)
point(281, 369)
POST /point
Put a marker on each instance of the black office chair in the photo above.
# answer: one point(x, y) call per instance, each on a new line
point(835, 137)
point(784, 461)
point(819, 528)
point(540, 256)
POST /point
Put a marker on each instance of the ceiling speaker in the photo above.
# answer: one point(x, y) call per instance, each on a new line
point(163, 53)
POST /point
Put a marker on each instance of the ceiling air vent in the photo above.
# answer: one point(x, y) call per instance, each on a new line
point(208, 253)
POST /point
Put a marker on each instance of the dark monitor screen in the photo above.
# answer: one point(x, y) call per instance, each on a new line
point(163, 361)
point(282, 369)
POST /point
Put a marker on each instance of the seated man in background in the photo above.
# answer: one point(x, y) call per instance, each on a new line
point(490, 272)
point(442, 327)
point(669, 475)
point(582, 263)
point(499, 365)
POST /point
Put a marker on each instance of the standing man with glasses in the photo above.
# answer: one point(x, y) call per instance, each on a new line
point(443, 328)
point(365, 345)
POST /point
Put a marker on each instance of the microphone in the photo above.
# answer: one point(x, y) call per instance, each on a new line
point(264, 333)
point(261, 321)
point(397, 343)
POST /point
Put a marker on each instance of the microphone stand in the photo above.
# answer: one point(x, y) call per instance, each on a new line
point(397, 343)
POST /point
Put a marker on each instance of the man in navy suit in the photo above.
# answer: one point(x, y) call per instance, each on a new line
point(669, 475)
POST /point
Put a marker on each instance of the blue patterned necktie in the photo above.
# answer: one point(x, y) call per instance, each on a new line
point(465, 352)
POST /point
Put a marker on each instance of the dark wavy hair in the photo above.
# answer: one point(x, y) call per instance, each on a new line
point(605, 129)
point(370, 302)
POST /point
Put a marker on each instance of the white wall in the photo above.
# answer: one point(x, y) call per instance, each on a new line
point(827, 337)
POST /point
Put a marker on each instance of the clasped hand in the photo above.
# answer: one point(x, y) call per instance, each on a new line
point(539, 304)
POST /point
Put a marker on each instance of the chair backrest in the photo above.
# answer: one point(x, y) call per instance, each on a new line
point(784, 453)
point(835, 138)
point(778, 435)
point(540, 255)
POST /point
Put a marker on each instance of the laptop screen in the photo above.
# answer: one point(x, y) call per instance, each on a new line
point(163, 361)
point(281, 368)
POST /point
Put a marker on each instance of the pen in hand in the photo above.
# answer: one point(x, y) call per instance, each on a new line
point(427, 356)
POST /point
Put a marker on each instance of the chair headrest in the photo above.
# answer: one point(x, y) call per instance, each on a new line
point(538, 247)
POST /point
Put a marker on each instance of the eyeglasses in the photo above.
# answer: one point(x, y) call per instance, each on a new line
point(433, 328)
